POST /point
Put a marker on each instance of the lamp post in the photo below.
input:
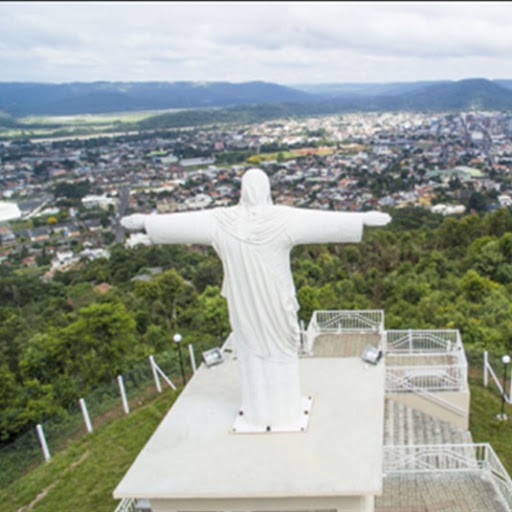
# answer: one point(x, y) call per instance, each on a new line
point(177, 339)
point(505, 360)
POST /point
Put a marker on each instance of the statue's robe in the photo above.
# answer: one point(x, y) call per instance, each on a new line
point(254, 240)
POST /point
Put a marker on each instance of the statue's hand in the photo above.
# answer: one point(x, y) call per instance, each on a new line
point(134, 222)
point(374, 218)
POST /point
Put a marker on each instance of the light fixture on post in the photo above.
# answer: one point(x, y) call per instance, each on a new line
point(505, 360)
point(177, 339)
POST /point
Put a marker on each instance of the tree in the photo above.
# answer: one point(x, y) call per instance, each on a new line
point(474, 286)
point(477, 201)
point(308, 302)
point(207, 273)
point(73, 190)
point(10, 392)
point(100, 344)
point(212, 313)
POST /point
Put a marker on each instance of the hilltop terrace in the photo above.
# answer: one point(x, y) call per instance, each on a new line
point(425, 460)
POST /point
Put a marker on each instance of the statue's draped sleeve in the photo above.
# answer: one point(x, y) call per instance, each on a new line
point(180, 228)
point(317, 226)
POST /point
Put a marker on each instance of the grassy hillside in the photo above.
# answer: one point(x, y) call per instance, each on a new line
point(485, 428)
point(82, 477)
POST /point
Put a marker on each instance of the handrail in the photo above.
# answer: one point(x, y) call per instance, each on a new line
point(126, 505)
point(426, 394)
point(367, 318)
point(454, 376)
point(345, 320)
point(420, 458)
point(464, 457)
point(426, 340)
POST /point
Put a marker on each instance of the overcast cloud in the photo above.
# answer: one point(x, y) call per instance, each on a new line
point(283, 42)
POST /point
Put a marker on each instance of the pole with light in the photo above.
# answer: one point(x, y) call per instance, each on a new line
point(505, 360)
point(177, 339)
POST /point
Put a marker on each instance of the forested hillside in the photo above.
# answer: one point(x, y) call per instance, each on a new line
point(60, 339)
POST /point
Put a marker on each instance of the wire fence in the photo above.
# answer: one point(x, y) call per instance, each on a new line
point(475, 358)
point(476, 362)
point(103, 404)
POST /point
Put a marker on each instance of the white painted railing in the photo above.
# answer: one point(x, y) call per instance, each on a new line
point(338, 321)
point(410, 346)
point(499, 476)
point(422, 341)
point(435, 458)
point(396, 385)
point(350, 320)
point(429, 458)
point(406, 375)
point(126, 505)
point(401, 379)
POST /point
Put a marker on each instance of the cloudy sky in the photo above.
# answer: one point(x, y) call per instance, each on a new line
point(283, 42)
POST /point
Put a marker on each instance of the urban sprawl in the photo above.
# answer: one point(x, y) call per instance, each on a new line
point(61, 199)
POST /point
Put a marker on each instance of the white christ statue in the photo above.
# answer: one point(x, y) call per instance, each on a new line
point(254, 239)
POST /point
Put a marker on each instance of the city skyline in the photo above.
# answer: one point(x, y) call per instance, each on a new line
point(281, 42)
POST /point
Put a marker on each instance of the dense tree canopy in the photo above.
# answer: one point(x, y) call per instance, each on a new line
point(60, 339)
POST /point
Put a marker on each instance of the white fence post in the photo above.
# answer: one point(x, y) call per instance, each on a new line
point(303, 335)
point(384, 339)
point(155, 374)
point(192, 358)
point(42, 442)
point(126, 407)
point(486, 361)
point(85, 414)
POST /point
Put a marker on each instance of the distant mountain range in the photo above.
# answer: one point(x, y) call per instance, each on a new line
point(22, 99)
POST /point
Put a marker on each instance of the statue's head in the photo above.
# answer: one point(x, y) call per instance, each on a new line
point(255, 188)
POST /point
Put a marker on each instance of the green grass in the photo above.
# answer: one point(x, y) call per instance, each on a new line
point(78, 124)
point(93, 119)
point(82, 477)
point(485, 405)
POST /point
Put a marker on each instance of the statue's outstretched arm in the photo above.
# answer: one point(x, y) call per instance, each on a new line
point(173, 228)
point(319, 226)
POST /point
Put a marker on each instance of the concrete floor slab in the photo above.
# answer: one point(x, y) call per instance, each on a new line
point(194, 455)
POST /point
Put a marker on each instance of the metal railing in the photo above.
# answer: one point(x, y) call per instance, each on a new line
point(429, 458)
point(498, 476)
point(396, 385)
point(449, 377)
point(338, 321)
point(406, 371)
point(349, 320)
point(423, 341)
point(478, 457)
point(127, 505)
point(408, 353)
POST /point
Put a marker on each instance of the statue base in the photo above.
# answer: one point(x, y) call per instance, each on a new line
point(241, 426)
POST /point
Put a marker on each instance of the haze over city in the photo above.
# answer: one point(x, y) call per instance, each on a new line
point(282, 42)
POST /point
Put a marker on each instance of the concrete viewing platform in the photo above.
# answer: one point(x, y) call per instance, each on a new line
point(195, 462)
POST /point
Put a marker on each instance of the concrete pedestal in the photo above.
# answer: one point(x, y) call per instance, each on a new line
point(194, 462)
